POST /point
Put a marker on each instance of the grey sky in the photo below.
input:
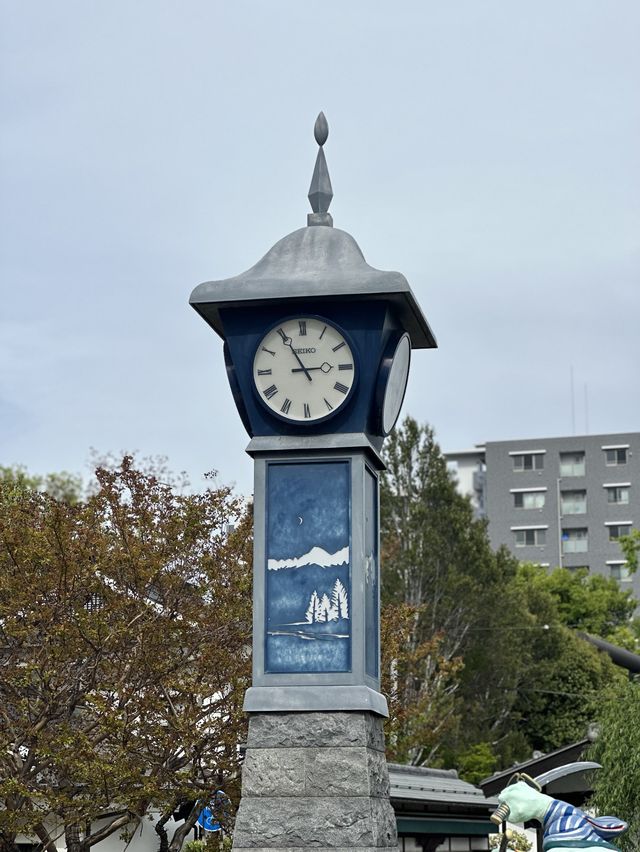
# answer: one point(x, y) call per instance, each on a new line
point(487, 150)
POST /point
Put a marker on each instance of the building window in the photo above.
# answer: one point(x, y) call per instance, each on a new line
point(528, 461)
point(618, 530)
point(528, 499)
point(615, 456)
point(535, 537)
point(572, 464)
point(573, 502)
point(619, 571)
point(575, 541)
point(94, 603)
point(618, 494)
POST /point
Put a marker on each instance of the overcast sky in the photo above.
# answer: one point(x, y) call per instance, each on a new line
point(486, 149)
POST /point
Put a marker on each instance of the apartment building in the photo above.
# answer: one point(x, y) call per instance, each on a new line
point(558, 501)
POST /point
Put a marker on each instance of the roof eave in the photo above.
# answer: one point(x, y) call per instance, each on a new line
point(407, 308)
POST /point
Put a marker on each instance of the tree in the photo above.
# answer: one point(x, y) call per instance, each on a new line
point(521, 678)
point(436, 559)
point(630, 545)
point(588, 602)
point(476, 762)
point(124, 645)
point(62, 485)
point(564, 686)
point(420, 684)
point(565, 677)
point(617, 749)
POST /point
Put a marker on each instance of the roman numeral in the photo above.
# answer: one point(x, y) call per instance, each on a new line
point(340, 387)
point(270, 391)
point(323, 331)
point(282, 334)
point(345, 366)
point(303, 327)
point(286, 405)
point(328, 404)
point(307, 410)
point(264, 372)
point(264, 349)
point(339, 346)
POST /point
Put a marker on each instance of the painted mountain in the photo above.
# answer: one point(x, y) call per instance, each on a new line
point(308, 625)
point(316, 556)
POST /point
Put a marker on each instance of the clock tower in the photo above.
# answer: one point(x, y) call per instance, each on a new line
point(317, 346)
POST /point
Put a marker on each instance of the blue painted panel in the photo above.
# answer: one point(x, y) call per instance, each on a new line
point(308, 567)
point(371, 575)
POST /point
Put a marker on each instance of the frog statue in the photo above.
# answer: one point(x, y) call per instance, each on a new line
point(564, 826)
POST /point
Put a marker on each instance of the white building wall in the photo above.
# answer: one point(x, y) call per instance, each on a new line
point(145, 838)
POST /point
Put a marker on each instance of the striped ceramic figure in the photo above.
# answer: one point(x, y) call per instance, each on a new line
point(564, 826)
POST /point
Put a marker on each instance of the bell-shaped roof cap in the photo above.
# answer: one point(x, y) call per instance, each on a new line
point(319, 263)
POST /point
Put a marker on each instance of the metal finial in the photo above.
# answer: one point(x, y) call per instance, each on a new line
point(320, 191)
point(321, 129)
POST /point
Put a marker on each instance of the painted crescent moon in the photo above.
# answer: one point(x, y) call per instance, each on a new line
point(300, 519)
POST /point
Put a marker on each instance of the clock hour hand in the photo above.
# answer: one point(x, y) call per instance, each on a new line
point(287, 341)
point(325, 367)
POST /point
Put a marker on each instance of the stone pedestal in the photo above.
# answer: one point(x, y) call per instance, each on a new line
point(315, 780)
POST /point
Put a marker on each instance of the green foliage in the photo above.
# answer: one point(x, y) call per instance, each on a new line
point(617, 748)
point(476, 762)
point(517, 841)
point(588, 602)
point(563, 689)
point(564, 677)
point(630, 546)
point(437, 559)
point(496, 661)
point(125, 645)
point(195, 846)
point(503, 635)
point(63, 486)
point(626, 636)
point(211, 843)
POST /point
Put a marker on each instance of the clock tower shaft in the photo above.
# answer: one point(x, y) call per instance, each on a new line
point(316, 347)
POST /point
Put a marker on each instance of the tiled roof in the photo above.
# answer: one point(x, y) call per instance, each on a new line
point(442, 786)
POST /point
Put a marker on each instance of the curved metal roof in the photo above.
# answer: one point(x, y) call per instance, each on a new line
point(319, 263)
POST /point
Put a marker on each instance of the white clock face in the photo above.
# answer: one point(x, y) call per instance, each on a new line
point(304, 369)
point(396, 384)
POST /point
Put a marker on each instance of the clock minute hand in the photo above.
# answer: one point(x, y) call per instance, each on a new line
point(288, 342)
point(326, 367)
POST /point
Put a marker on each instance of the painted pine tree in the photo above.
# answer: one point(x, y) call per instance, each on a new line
point(313, 609)
point(325, 608)
point(340, 600)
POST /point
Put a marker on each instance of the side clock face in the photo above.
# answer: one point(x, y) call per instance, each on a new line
point(396, 366)
point(304, 369)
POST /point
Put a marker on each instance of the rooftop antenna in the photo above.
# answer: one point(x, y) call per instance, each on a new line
point(573, 403)
point(586, 409)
